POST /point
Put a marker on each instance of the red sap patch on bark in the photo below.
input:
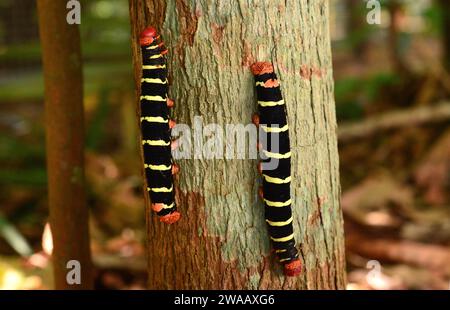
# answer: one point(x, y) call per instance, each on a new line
point(314, 217)
point(217, 37)
point(217, 32)
point(198, 12)
point(317, 72)
point(247, 57)
point(307, 72)
point(281, 8)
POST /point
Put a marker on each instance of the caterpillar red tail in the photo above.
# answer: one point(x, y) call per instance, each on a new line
point(276, 192)
point(156, 126)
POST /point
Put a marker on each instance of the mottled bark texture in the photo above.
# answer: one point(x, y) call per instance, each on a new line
point(64, 123)
point(221, 242)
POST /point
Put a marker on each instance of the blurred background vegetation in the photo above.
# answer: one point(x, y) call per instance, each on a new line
point(392, 99)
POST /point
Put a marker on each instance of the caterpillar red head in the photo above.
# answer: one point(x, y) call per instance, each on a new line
point(260, 68)
point(148, 36)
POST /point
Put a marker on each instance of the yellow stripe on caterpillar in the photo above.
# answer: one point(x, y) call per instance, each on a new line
point(270, 103)
point(276, 180)
point(154, 81)
point(277, 204)
point(277, 155)
point(152, 47)
point(160, 189)
point(152, 67)
point(275, 129)
point(278, 224)
point(156, 56)
point(155, 142)
point(154, 119)
point(280, 251)
point(153, 98)
point(158, 167)
point(168, 206)
point(284, 259)
point(283, 239)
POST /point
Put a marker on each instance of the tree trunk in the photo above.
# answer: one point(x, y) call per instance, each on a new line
point(221, 241)
point(64, 121)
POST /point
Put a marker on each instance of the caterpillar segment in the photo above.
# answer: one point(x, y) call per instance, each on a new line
point(275, 190)
point(156, 127)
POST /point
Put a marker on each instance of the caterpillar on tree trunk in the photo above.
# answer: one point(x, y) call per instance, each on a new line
point(156, 127)
point(275, 166)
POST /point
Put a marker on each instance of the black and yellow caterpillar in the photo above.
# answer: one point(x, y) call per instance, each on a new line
point(276, 166)
point(156, 127)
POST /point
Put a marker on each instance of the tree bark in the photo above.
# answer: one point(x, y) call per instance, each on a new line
point(64, 121)
point(221, 242)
